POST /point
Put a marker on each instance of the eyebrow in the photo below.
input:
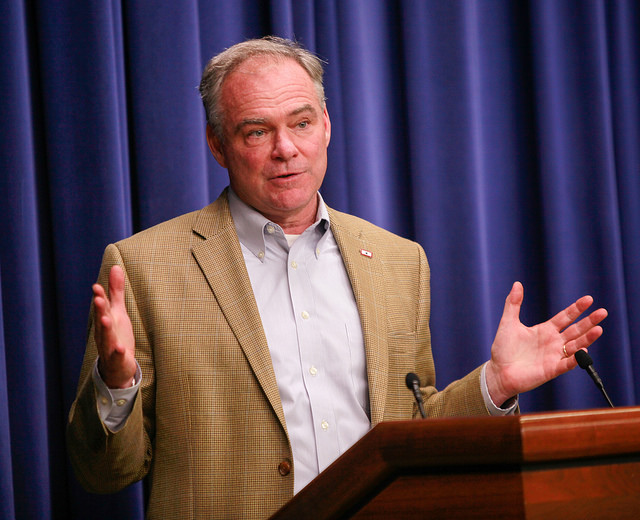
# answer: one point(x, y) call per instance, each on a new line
point(304, 108)
point(307, 107)
point(250, 122)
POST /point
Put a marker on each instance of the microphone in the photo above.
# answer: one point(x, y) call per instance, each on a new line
point(413, 384)
point(584, 360)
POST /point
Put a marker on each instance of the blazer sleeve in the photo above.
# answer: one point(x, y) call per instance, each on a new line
point(104, 461)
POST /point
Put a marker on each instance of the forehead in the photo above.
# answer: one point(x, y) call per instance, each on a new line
point(267, 82)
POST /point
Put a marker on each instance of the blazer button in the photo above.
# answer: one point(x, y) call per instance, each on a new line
point(284, 468)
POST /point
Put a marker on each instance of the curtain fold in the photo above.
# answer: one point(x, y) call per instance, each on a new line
point(22, 284)
point(502, 136)
point(165, 135)
point(7, 509)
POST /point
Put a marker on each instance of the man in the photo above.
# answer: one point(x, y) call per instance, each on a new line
point(241, 348)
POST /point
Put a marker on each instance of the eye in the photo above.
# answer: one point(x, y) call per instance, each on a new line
point(256, 133)
point(303, 124)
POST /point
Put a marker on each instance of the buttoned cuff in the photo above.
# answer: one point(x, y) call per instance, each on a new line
point(115, 404)
point(511, 404)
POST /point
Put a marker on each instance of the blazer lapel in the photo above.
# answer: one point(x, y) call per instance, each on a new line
point(365, 272)
point(220, 258)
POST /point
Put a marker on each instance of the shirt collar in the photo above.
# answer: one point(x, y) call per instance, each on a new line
point(251, 225)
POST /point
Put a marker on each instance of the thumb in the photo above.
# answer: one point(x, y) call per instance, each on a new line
point(513, 303)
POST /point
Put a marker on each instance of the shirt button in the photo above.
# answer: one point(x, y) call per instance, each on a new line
point(324, 425)
point(261, 255)
point(270, 229)
point(294, 264)
point(104, 401)
point(121, 402)
point(313, 371)
point(284, 468)
point(305, 315)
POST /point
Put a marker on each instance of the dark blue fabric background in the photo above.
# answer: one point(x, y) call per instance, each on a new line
point(503, 136)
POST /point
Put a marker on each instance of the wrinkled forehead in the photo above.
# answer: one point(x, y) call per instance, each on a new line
point(268, 79)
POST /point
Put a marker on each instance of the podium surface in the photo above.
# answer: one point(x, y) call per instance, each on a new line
point(578, 464)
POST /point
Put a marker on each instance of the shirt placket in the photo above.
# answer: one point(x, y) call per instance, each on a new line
point(312, 350)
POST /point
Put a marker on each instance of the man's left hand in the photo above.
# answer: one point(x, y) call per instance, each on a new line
point(523, 358)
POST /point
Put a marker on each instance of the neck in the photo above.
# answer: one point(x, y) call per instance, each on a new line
point(296, 223)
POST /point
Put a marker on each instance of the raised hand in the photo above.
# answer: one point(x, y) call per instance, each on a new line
point(523, 358)
point(113, 333)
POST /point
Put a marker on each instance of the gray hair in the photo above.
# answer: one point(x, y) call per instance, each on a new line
point(220, 66)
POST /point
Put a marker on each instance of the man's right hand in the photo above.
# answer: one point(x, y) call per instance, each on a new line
point(113, 333)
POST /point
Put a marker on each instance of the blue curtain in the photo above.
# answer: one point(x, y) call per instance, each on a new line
point(503, 136)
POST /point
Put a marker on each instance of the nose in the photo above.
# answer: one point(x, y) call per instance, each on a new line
point(283, 147)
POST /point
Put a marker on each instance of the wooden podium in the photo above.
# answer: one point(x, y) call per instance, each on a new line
point(566, 465)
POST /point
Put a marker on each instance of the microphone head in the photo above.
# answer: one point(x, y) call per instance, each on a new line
point(583, 358)
point(412, 380)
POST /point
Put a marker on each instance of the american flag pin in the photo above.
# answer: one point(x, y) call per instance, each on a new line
point(366, 253)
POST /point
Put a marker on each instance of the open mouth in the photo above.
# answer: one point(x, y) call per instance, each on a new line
point(286, 175)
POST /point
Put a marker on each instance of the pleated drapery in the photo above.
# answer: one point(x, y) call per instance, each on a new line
point(502, 136)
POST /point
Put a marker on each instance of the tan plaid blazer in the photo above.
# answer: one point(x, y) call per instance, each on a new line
point(207, 426)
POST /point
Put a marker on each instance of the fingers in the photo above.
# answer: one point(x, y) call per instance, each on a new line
point(567, 316)
point(103, 302)
point(105, 335)
point(584, 341)
point(584, 325)
point(116, 285)
point(582, 334)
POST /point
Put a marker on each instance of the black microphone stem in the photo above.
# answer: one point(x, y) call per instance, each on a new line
point(604, 392)
point(413, 384)
point(586, 363)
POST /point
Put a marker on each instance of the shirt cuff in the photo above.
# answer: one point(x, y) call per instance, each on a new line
point(511, 404)
point(115, 404)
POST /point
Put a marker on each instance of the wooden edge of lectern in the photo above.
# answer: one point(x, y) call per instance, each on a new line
point(578, 464)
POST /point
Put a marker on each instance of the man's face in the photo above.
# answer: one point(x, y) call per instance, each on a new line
point(275, 140)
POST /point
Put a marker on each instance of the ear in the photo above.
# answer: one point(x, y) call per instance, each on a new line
point(216, 147)
point(327, 124)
